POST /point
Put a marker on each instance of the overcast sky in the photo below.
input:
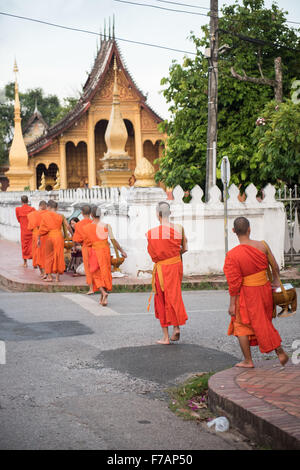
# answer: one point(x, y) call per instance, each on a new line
point(58, 60)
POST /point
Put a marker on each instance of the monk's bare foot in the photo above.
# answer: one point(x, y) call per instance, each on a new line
point(163, 341)
point(104, 300)
point(24, 265)
point(90, 292)
point(175, 336)
point(48, 279)
point(246, 364)
point(57, 279)
point(282, 356)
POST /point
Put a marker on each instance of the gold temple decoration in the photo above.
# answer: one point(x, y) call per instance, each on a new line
point(19, 173)
point(42, 186)
point(144, 173)
point(116, 160)
point(57, 183)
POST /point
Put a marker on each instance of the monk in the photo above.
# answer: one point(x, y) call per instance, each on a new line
point(166, 245)
point(251, 300)
point(51, 225)
point(26, 234)
point(96, 237)
point(34, 222)
point(79, 237)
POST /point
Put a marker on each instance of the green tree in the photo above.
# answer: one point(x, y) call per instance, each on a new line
point(277, 139)
point(49, 106)
point(239, 103)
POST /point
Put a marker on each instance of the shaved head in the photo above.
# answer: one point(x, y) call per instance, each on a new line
point(86, 210)
point(24, 199)
point(42, 205)
point(52, 204)
point(241, 226)
point(163, 210)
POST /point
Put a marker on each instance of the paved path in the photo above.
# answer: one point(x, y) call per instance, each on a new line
point(79, 375)
point(263, 402)
point(79, 379)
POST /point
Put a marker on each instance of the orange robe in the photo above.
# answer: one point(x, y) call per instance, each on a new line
point(164, 244)
point(254, 304)
point(34, 222)
point(97, 241)
point(79, 237)
point(51, 225)
point(26, 234)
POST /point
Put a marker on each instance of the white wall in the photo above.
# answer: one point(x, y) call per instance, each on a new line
point(132, 212)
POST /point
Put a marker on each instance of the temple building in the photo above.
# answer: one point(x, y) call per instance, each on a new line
point(76, 147)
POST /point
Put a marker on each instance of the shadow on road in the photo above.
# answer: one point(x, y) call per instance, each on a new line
point(13, 330)
point(163, 364)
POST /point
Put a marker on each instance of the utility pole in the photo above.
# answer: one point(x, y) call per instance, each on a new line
point(212, 55)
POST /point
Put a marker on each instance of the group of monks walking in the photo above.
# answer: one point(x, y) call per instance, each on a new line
point(251, 300)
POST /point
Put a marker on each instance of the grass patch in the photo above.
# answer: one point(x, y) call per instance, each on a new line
point(190, 399)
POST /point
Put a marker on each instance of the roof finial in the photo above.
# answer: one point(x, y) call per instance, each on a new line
point(113, 31)
point(35, 107)
point(16, 70)
point(104, 29)
point(100, 40)
point(109, 32)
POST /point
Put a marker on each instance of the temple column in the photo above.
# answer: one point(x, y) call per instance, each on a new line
point(91, 151)
point(63, 165)
point(138, 136)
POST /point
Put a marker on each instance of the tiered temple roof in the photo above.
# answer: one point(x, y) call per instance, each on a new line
point(107, 51)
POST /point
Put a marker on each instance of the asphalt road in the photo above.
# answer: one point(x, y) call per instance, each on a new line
point(81, 376)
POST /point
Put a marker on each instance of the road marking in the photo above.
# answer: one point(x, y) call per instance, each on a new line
point(90, 305)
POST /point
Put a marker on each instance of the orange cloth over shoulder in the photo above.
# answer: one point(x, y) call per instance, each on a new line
point(96, 238)
point(164, 243)
point(51, 225)
point(34, 222)
point(26, 234)
point(254, 303)
point(79, 237)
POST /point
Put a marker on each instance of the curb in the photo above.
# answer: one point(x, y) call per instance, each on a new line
point(259, 421)
point(17, 286)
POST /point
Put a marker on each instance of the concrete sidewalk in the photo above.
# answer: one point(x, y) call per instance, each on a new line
point(263, 403)
point(15, 277)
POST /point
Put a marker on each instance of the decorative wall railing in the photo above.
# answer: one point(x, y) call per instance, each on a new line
point(291, 200)
point(90, 195)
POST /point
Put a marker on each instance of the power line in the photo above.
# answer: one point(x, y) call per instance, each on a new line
point(183, 4)
point(95, 33)
point(161, 8)
point(185, 11)
point(260, 42)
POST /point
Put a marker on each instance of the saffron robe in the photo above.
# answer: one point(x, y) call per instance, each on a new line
point(26, 234)
point(34, 222)
point(96, 238)
point(254, 304)
point(164, 243)
point(51, 225)
point(79, 237)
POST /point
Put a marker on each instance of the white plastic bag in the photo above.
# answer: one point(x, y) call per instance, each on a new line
point(222, 424)
point(80, 270)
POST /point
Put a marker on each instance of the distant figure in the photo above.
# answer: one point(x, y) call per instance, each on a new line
point(79, 237)
point(132, 180)
point(166, 244)
point(34, 222)
point(251, 300)
point(96, 237)
point(26, 234)
point(76, 253)
point(51, 226)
